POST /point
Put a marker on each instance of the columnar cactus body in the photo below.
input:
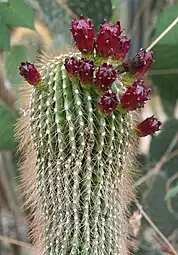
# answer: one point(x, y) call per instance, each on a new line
point(78, 132)
point(80, 166)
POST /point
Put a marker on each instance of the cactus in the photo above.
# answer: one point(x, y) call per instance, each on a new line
point(78, 144)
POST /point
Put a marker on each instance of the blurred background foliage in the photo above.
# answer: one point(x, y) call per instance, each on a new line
point(31, 27)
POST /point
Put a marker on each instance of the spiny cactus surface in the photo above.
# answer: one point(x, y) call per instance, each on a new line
point(82, 133)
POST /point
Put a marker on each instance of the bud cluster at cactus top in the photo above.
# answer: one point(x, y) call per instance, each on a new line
point(103, 58)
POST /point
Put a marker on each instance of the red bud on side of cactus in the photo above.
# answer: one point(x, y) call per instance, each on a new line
point(30, 73)
point(135, 96)
point(149, 126)
point(139, 64)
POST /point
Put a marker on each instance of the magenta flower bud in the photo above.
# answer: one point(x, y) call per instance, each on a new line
point(135, 96)
point(113, 28)
point(30, 73)
point(149, 126)
point(139, 64)
point(108, 102)
point(105, 76)
point(110, 43)
point(86, 70)
point(83, 34)
point(72, 65)
point(122, 47)
point(107, 38)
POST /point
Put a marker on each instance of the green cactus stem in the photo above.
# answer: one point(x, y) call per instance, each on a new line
point(77, 138)
point(80, 160)
point(82, 157)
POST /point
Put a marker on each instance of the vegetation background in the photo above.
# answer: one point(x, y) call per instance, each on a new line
point(31, 27)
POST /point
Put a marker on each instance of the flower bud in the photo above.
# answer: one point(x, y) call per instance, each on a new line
point(139, 64)
point(72, 65)
point(122, 47)
point(110, 43)
point(83, 34)
point(149, 126)
point(108, 102)
point(86, 70)
point(135, 96)
point(30, 73)
point(105, 76)
point(113, 28)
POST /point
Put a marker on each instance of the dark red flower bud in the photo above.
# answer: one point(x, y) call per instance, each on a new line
point(105, 76)
point(108, 102)
point(72, 65)
point(83, 34)
point(122, 47)
point(86, 70)
point(113, 28)
point(135, 96)
point(30, 73)
point(110, 43)
point(149, 126)
point(107, 38)
point(139, 64)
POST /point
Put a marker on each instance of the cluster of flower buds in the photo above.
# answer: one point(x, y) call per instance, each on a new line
point(83, 69)
point(107, 44)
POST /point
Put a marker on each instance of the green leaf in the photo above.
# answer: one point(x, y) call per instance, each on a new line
point(58, 19)
point(164, 20)
point(160, 144)
point(172, 192)
point(8, 120)
point(164, 75)
point(88, 9)
point(3, 1)
point(17, 13)
point(165, 69)
point(17, 54)
point(156, 206)
point(5, 37)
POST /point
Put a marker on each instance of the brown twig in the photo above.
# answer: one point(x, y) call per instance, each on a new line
point(168, 185)
point(69, 10)
point(160, 234)
point(163, 34)
point(163, 71)
point(156, 169)
point(138, 14)
point(16, 242)
point(163, 247)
